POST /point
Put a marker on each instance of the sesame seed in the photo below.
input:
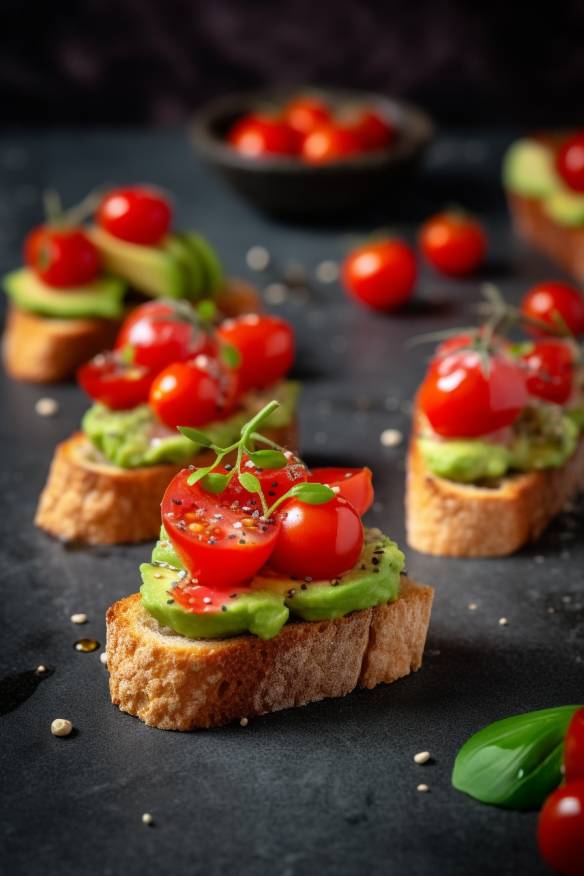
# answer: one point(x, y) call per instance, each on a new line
point(61, 727)
point(41, 668)
point(243, 722)
point(257, 258)
point(503, 621)
point(207, 600)
point(147, 818)
point(46, 407)
point(336, 489)
point(391, 437)
point(327, 271)
point(238, 524)
point(157, 575)
point(472, 606)
point(78, 618)
point(423, 789)
point(103, 658)
point(422, 757)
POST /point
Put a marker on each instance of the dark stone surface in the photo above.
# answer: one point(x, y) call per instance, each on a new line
point(330, 788)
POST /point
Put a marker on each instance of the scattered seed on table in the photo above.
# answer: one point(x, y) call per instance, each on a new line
point(78, 618)
point(257, 258)
point(275, 293)
point(423, 789)
point(503, 621)
point(422, 757)
point(103, 658)
point(61, 727)
point(41, 668)
point(391, 437)
point(327, 272)
point(244, 722)
point(472, 606)
point(46, 407)
point(147, 818)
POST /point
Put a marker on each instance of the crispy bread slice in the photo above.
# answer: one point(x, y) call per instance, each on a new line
point(450, 519)
point(86, 500)
point(176, 683)
point(41, 350)
point(562, 244)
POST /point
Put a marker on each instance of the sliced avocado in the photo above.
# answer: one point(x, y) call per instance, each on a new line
point(176, 245)
point(261, 612)
point(373, 581)
point(528, 169)
point(549, 449)
point(103, 298)
point(202, 249)
point(465, 461)
point(576, 415)
point(149, 269)
point(566, 208)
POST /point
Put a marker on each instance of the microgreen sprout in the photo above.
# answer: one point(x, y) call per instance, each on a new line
point(271, 456)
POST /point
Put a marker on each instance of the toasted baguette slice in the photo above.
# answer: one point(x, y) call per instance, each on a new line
point(86, 500)
point(450, 519)
point(176, 683)
point(42, 350)
point(562, 244)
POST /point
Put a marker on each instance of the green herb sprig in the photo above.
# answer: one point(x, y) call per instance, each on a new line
point(271, 456)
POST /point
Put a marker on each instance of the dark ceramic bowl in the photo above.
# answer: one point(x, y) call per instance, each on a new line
point(288, 186)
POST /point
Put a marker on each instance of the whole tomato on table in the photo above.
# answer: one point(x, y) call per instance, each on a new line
point(454, 243)
point(380, 274)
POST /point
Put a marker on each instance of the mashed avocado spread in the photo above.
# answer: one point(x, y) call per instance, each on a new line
point(135, 438)
point(545, 436)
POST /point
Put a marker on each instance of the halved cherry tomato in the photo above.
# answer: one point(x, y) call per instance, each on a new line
point(355, 484)
point(257, 135)
point(570, 162)
point(62, 257)
point(162, 332)
point(453, 243)
point(220, 542)
point(274, 482)
point(317, 541)
point(574, 748)
point(557, 304)
point(465, 397)
point(560, 832)
point(303, 114)
point(330, 142)
point(380, 274)
point(265, 344)
point(372, 130)
point(194, 392)
point(550, 370)
point(140, 214)
point(117, 384)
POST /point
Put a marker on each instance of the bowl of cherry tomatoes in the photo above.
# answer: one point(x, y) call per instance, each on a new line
point(313, 152)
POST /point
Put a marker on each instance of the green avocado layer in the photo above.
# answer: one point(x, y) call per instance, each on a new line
point(265, 610)
point(101, 299)
point(135, 438)
point(544, 437)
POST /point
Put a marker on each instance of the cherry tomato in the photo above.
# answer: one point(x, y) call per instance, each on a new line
point(162, 332)
point(62, 257)
point(303, 114)
point(139, 214)
point(194, 392)
point(557, 304)
point(257, 135)
point(574, 748)
point(317, 541)
point(560, 832)
point(116, 384)
point(372, 130)
point(265, 344)
point(380, 274)
point(463, 397)
point(453, 243)
point(330, 142)
point(570, 162)
point(220, 543)
point(274, 482)
point(355, 484)
point(550, 370)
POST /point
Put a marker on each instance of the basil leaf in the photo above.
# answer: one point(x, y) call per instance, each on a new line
point(215, 482)
point(517, 762)
point(230, 355)
point(206, 310)
point(268, 458)
point(198, 475)
point(312, 494)
point(196, 436)
point(249, 482)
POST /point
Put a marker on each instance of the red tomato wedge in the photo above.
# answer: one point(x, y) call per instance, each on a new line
point(274, 482)
point(355, 484)
point(223, 543)
point(550, 370)
point(114, 383)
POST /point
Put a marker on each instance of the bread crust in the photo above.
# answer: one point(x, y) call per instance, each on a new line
point(41, 350)
point(85, 500)
point(449, 519)
point(174, 683)
point(562, 244)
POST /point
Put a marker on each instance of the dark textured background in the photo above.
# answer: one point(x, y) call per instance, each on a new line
point(138, 61)
point(330, 788)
